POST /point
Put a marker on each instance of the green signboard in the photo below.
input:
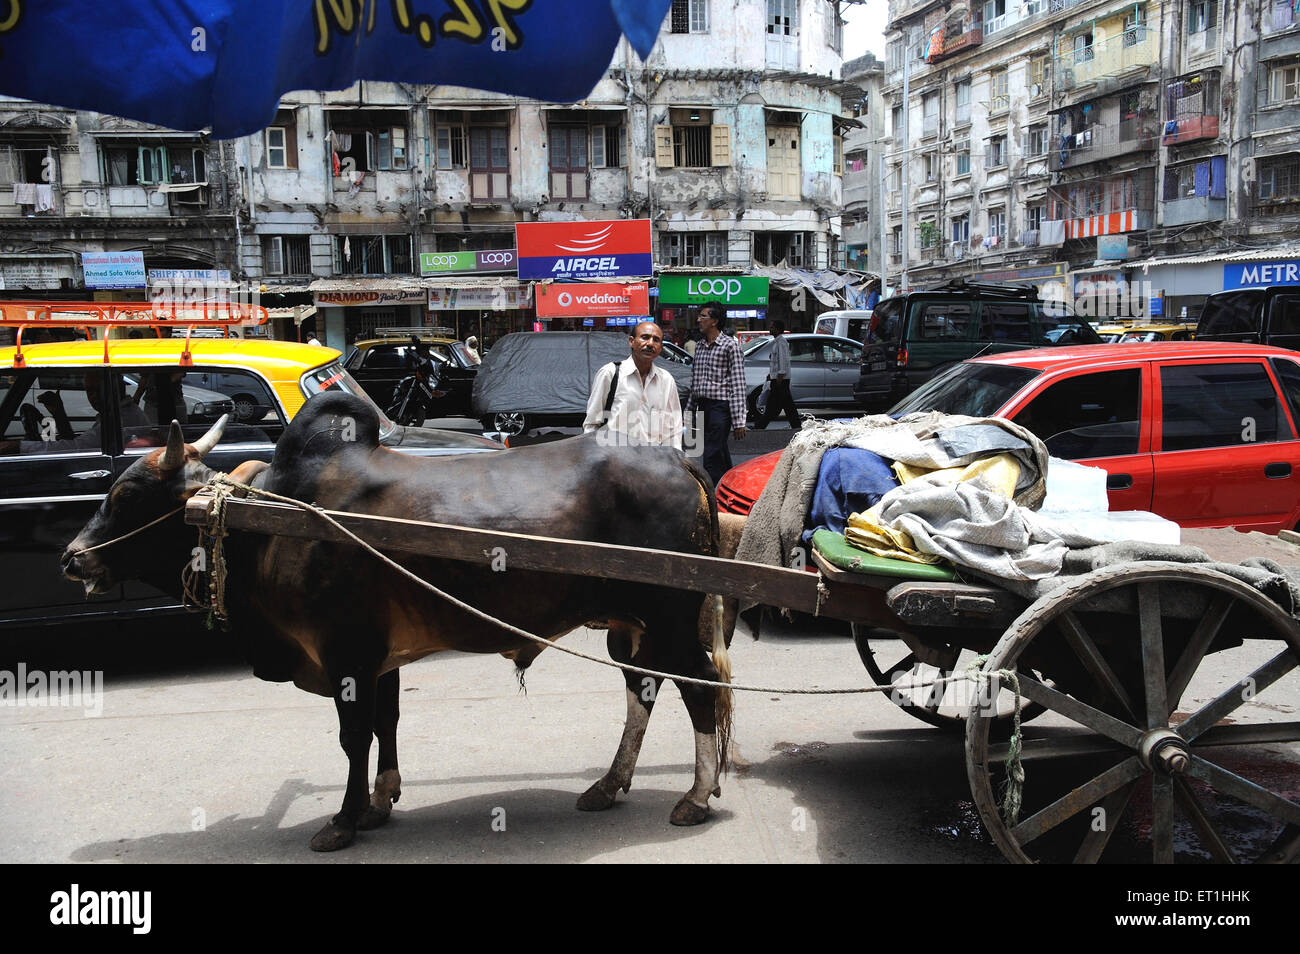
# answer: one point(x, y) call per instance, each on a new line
point(731, 290)
point(436, 263)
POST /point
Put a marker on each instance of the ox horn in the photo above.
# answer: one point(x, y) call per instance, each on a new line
point(209, 440)
point(174, 455)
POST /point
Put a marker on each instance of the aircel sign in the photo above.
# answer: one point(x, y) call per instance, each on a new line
point(442, 263)
point(564, 301)
point(697, 289)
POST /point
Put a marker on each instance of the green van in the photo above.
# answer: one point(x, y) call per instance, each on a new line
point(915, 335)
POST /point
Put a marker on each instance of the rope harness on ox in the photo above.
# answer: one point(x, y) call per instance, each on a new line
point(213, 532)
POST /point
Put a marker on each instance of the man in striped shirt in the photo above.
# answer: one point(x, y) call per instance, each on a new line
point(717, 388)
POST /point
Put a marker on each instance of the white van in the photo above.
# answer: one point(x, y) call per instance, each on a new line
point(846, 324)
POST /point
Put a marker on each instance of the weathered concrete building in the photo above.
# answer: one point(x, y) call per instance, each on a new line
point(73, 183)
point(863, 148)
point(728, 138)
point(1089, 144)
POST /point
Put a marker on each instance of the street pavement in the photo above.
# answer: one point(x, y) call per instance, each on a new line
point(195, 760)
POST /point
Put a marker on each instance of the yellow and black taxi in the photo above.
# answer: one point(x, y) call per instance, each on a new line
point(1159, 331)
point(76, 414)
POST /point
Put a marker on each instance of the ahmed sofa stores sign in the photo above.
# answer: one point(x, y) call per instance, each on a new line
point(731, 290)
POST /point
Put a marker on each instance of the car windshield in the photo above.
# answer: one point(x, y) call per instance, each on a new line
point(332, 377)
point(973, 388)
point(468, 359)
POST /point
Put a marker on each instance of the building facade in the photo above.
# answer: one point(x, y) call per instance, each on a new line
point(729, 139)
point(1087, 145)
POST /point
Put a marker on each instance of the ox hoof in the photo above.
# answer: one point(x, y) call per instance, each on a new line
point(373, 817)
point(333, 837)
point(688, 813)
point(596, 799)
point(388, 789)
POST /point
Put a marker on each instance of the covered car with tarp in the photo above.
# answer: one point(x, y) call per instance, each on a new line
point(543, 379)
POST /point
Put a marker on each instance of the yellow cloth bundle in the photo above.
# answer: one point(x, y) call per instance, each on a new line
point(997, 474)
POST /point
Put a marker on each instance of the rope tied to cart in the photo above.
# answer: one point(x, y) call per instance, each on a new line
point(213, 532)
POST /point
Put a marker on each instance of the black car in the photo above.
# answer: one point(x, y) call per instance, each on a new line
point(379, 365)
point(915, 335)
point(1266, 315)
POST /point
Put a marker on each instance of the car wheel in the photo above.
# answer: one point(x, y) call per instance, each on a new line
point(509, 422)
point(246, 408)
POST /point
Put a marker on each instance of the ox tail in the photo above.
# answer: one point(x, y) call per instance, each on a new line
point(723, 704)
point(722, 699)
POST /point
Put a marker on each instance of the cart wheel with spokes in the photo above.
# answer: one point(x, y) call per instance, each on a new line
point(1163, 739)
point(943, 707)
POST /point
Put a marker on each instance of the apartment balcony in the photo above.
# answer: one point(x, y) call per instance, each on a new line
point(932, 254)
point(1197, 208)
point(860, 234)
point(858, 188)
point(1102, 143)
point(1108, 223)
point(1103, 66)
point(950, 44)
point(1192, 102)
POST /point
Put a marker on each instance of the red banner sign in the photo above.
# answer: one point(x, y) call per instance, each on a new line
point(592, 300)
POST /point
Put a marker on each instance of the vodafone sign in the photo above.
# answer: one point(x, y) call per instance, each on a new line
point(592, 300)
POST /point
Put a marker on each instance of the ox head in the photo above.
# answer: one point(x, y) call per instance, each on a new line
point(102, 555)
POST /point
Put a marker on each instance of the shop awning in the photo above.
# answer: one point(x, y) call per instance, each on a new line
point(1236, 255)
point(385, 284)
point(833, 289)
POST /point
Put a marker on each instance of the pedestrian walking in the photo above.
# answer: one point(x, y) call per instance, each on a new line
point(634, 401)
point(717, 388)
point(779, 399)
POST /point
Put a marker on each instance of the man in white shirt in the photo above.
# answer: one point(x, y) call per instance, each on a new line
point(634, 401)
point(779, 399)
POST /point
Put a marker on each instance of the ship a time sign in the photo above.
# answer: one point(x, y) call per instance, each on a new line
point(583, 250)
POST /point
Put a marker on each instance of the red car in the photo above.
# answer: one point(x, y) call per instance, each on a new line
point(1203, 433)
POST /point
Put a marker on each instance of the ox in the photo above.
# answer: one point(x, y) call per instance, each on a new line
point(339, 623)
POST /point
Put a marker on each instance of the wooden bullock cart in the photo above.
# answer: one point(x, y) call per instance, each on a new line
point(1120, 760)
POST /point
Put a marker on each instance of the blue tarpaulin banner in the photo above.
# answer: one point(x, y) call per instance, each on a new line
point(223, 64)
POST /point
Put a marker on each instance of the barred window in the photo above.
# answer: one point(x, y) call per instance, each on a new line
point(697, 249)
point(1280, 179)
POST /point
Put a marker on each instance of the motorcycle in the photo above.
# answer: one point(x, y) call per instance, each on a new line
point(415, 395)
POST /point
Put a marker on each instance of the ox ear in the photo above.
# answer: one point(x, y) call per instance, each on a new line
point(174, 455)
point(209, 440)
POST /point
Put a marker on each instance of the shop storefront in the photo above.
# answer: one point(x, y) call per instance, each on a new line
point(485, 307)
point(1051, 279)
point(679, 296)
point(1176, 287)
point(351, 309)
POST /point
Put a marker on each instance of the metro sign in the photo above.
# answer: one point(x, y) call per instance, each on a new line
point(588, 300)
point(577, 250)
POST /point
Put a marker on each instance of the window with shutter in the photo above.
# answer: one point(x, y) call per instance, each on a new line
point(664, 147)
point(721, 145)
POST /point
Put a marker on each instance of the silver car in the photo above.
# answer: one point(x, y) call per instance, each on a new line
point(823, 370)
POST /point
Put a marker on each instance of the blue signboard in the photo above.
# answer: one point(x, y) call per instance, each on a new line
point(223, 64)
point(1157, 307)
point(1252, 274)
